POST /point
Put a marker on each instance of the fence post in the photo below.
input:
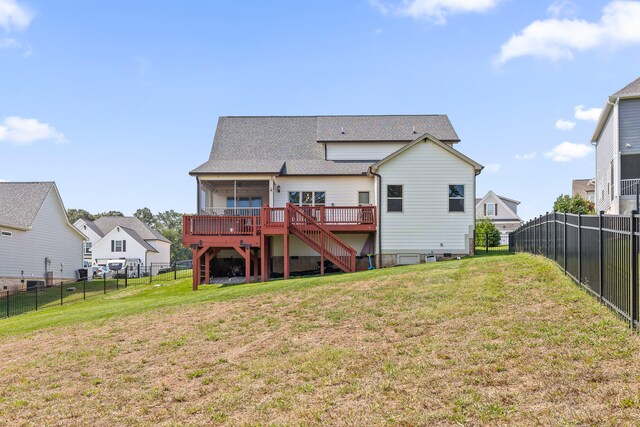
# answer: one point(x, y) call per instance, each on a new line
point(579, 248)
point(8, 303)
point(486, 243)
point(564, 235)
point(150, 273)
point(104, 283)
point(126, 276)
point(61, 293)
point(175, 270)
point(84, 289)
point(36, 297)
point(634, 269)
point(555, 239)
point(600, 254)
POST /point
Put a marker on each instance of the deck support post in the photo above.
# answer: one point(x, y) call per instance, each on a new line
point(322, 257)
point(247, 264)
point(195, 269)
point(263, 258)
point(207, 270)
point(286, 256)
point(255, 265)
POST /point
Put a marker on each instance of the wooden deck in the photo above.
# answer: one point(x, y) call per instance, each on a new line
point(249, 235)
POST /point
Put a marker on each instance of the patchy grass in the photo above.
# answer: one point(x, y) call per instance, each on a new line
point(493, 340)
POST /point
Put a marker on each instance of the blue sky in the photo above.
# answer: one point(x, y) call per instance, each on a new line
point(116, 101)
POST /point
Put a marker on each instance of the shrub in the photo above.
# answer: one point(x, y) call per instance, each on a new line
point(487, 231)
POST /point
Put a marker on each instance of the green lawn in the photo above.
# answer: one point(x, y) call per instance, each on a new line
point(489, 340)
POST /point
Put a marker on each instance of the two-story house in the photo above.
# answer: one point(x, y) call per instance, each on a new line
point(123, 237)
point(287, 194)
point(617, 142)
point(585, 188)
point(500, 210)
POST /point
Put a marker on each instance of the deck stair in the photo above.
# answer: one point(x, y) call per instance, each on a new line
point(320, 239)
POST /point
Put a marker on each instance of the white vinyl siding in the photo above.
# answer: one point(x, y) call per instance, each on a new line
point(361, 150)
point(339, 190)
point(50, 237)
point(426, 171)
point(606, 150)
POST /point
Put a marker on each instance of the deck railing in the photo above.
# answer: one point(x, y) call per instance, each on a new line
point(210, 210)
point(628, 187)
point(209, 225)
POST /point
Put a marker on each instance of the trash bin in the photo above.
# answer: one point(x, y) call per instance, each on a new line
point(82, 274)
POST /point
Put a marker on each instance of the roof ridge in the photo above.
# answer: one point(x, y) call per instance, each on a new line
point(334, 115)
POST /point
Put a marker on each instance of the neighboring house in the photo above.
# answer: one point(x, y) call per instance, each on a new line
point(617, 141)
point(585, 188)
point(334, 188)
point(37, 243)
point(114, 237)
point(502, 211)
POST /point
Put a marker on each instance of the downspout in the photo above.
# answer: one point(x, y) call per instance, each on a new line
point(379, 230)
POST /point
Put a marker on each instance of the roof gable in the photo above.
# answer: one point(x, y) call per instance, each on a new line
point(106, 240)
point(492, 197)
point(107, 223)
point(429, 138)
point(632, 89)
point(20, 202)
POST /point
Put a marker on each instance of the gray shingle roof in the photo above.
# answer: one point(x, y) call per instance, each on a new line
point(632, 88)
point(139, 239)
point(289, 144)
point(94, 227)
point(108, 223)
point(385, 128)
point(21, 201)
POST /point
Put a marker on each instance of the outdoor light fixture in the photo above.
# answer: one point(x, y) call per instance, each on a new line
point(278, 188)
point(627, 145)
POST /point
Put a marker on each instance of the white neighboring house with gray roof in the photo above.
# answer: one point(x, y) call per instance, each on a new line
point(500, 210)
point(617, 142)
point(403, 167)
point(37, 242)
point(126, 237)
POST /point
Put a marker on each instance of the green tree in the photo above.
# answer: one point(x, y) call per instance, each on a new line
point(169, 224)
point(76, 214)
point(145, 215)
point(487, 231)
point(573, 205)
point(110, 213)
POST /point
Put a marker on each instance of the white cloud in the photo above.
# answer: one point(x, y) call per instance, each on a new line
point(526, 156)
point(590, 114)
point(13, 16)
point(492, 167)
point(9, 43)
point(568, 151)
point(565, 124)
point(21, 131)
point(561, 8)
point(556, 38)
point(434, 10)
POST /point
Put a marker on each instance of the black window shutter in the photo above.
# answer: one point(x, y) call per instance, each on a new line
point(113, 246)
point(124, 246)
point(496, 213)
point(485, 209)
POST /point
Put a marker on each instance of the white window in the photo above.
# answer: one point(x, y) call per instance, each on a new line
point(307, 198)
point(118, 246)
point(4, 233)
point(592, 198)
point(87, 248)
point(363, 198)
point(490, 209)
point(456, 198)
point(394, 198)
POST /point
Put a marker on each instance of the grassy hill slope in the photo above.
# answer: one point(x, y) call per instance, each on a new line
point(488, 340)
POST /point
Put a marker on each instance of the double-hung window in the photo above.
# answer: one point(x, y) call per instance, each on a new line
point(118, 246)
point(456, 198)
point(394, 198)
point(490, 209)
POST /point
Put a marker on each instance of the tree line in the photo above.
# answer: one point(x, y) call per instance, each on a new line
point(167, 223)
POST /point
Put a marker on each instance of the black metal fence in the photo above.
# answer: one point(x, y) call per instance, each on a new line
point(599, 252)
point(488, 242)
point(14, 302)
